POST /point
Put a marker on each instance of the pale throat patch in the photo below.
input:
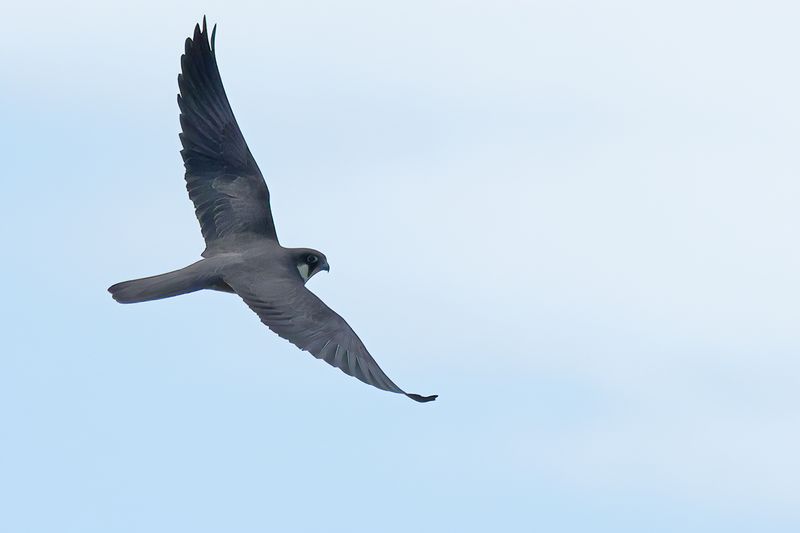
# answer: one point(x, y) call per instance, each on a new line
point(303, 268)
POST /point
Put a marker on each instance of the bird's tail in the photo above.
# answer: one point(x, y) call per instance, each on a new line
point(189, 279)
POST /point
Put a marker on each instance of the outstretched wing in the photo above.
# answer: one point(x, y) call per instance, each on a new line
point(299, 316)
point(229, 194)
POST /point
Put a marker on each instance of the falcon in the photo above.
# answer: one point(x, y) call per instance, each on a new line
point(242, 254)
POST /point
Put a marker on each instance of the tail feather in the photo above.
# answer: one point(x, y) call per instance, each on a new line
point(182, 281)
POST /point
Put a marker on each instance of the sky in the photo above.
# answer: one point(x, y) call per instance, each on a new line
point(574, 221)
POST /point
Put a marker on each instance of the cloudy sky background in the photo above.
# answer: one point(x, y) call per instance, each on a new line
point(575, 221)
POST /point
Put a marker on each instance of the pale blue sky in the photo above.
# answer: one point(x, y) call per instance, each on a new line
point(575, 221)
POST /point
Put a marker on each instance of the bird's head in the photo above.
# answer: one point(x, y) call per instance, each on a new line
point(309, 262)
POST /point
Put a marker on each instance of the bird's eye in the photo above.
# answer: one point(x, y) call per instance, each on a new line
point(311, 259)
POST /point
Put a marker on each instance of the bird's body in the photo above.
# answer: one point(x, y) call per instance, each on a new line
point(242, 254)
point(252, 260)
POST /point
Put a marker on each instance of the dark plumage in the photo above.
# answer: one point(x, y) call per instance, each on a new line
point(242, 252)
point(229, 193)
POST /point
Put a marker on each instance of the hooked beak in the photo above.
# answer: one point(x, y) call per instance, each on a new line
point(306, 273)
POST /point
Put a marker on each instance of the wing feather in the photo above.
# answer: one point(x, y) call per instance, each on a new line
point(224, 182)
point(299, 316)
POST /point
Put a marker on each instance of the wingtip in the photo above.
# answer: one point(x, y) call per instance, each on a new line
point(422, 399)
point(202, 32)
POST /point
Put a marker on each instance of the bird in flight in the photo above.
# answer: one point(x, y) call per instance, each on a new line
point(242, 253)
